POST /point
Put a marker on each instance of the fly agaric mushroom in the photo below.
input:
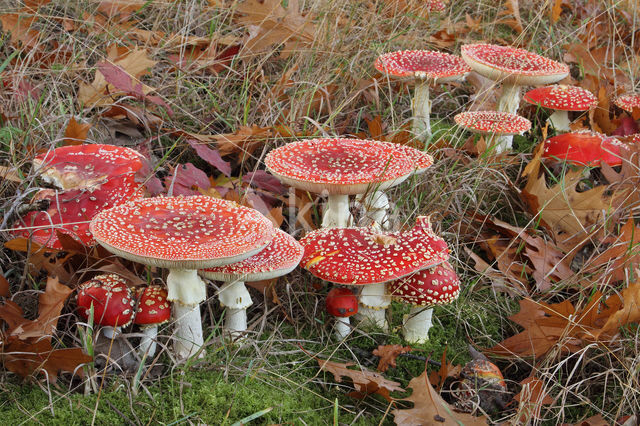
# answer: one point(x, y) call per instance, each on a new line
point(561, 98)
point(628, 102)
point(429, 287)
point(339, 167)
point(112, 301)
point(341, 303)
point(369, 258)
point(425, 68)
point(153, 310)
point(87, 165)
point(493, 123)
point(70, 211)
point(513, 68)
point(584, 149)
point(183, 234)
point(280, 257)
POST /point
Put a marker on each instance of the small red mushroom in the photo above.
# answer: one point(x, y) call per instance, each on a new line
point(341, 303)
point(112, 301)
point(584, 149)
point(153, 310)
point(493, 123)
point(561, 98)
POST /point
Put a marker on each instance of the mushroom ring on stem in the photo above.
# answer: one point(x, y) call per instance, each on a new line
point(370, 258)
point(183, 234)
point(512, 67)
point(425, 68)
point(339, 167)
point(438, 285)
point(561, 98)
point(112, 300)
point(280, 257)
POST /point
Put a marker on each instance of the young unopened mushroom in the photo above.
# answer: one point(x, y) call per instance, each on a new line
point(438, 285)
point(370, 258)
point(342, 304)
point(153, 310)
point(280, 257)
point(628, 102)
point(112, 301)
point(425, 68)
point(561, 98)
point(183, 234)
point(493, 123)
point(339, 167)
point(512, 67)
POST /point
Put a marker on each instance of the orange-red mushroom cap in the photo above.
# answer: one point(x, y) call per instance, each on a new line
point(502, 123)
point(584, 148)
point(113, 304)
point(153, 306)
point(562, 97)
point(438, 285)
point(437, 66)
point(341, 302)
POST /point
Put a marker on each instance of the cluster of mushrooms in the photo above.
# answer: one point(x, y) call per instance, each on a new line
point(97, 200)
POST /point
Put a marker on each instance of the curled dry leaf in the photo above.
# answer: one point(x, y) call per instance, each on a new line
point(622, 257)
point(388, 355)
point(530, 400)
point(366, 382)
point(430, 409)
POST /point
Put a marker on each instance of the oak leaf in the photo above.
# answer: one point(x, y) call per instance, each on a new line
point(622, 257)
point(75, 133)
point(430, 409)
point(366, 382)
point(388, 355)
point(20, 27)
point(4, 286)
point(511, 16)
point(530, 400)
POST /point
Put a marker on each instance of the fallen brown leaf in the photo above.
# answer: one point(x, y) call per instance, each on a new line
point(530, 400)
point(388, 355)
point(75, 133)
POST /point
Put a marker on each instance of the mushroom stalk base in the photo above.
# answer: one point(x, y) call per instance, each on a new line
point(416, 324)
point(560, 120)
point(111, 332)
point(235, 323)
point(421, 108)
point(374, 208)
point(148, 342)
point(336, 212)
point(342, 327)
point(188, 330)
point(374, 301)
point(509, 102)
point(236, 298)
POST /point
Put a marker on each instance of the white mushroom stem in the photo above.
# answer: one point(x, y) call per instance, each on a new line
point(421, 109)
point(148, 341)
point(336, 212)
point(111, 332)
point(235, 297)
point(416, 324)
point(560, 120)
point(342, 327)
point(374, 300)
point(186, 290)
point(375, 207)
point(509, 102)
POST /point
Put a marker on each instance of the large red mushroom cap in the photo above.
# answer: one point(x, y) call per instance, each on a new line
point(88, 165)
point(562, 97)
point(339, 166)
point(153, 307)
point(584, 148)
point(279, 258)
point(438, 285)
point(495, 122)
point(182, 232)
point(359, 256)
point(341, 302)
point(71, 211)
point(628, 102)
point(512, 65)
point(422, 64)
point(421, 160)
point(113, 304)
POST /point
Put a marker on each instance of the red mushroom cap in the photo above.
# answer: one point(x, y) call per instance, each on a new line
point(421, 160)
point(279, 258)
point(359, 256)
point(71, 211)
point(429, 287)
point(113, 304)
point(562, 97)
point(424, 64)
point(628, 102)
point(76, 166)
point(153, 306)
point(182, 232)
point(435, 5)
point(502, 123)
point(341, 302)
point(583, 148)
point(512, 65)
point(339, 166)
